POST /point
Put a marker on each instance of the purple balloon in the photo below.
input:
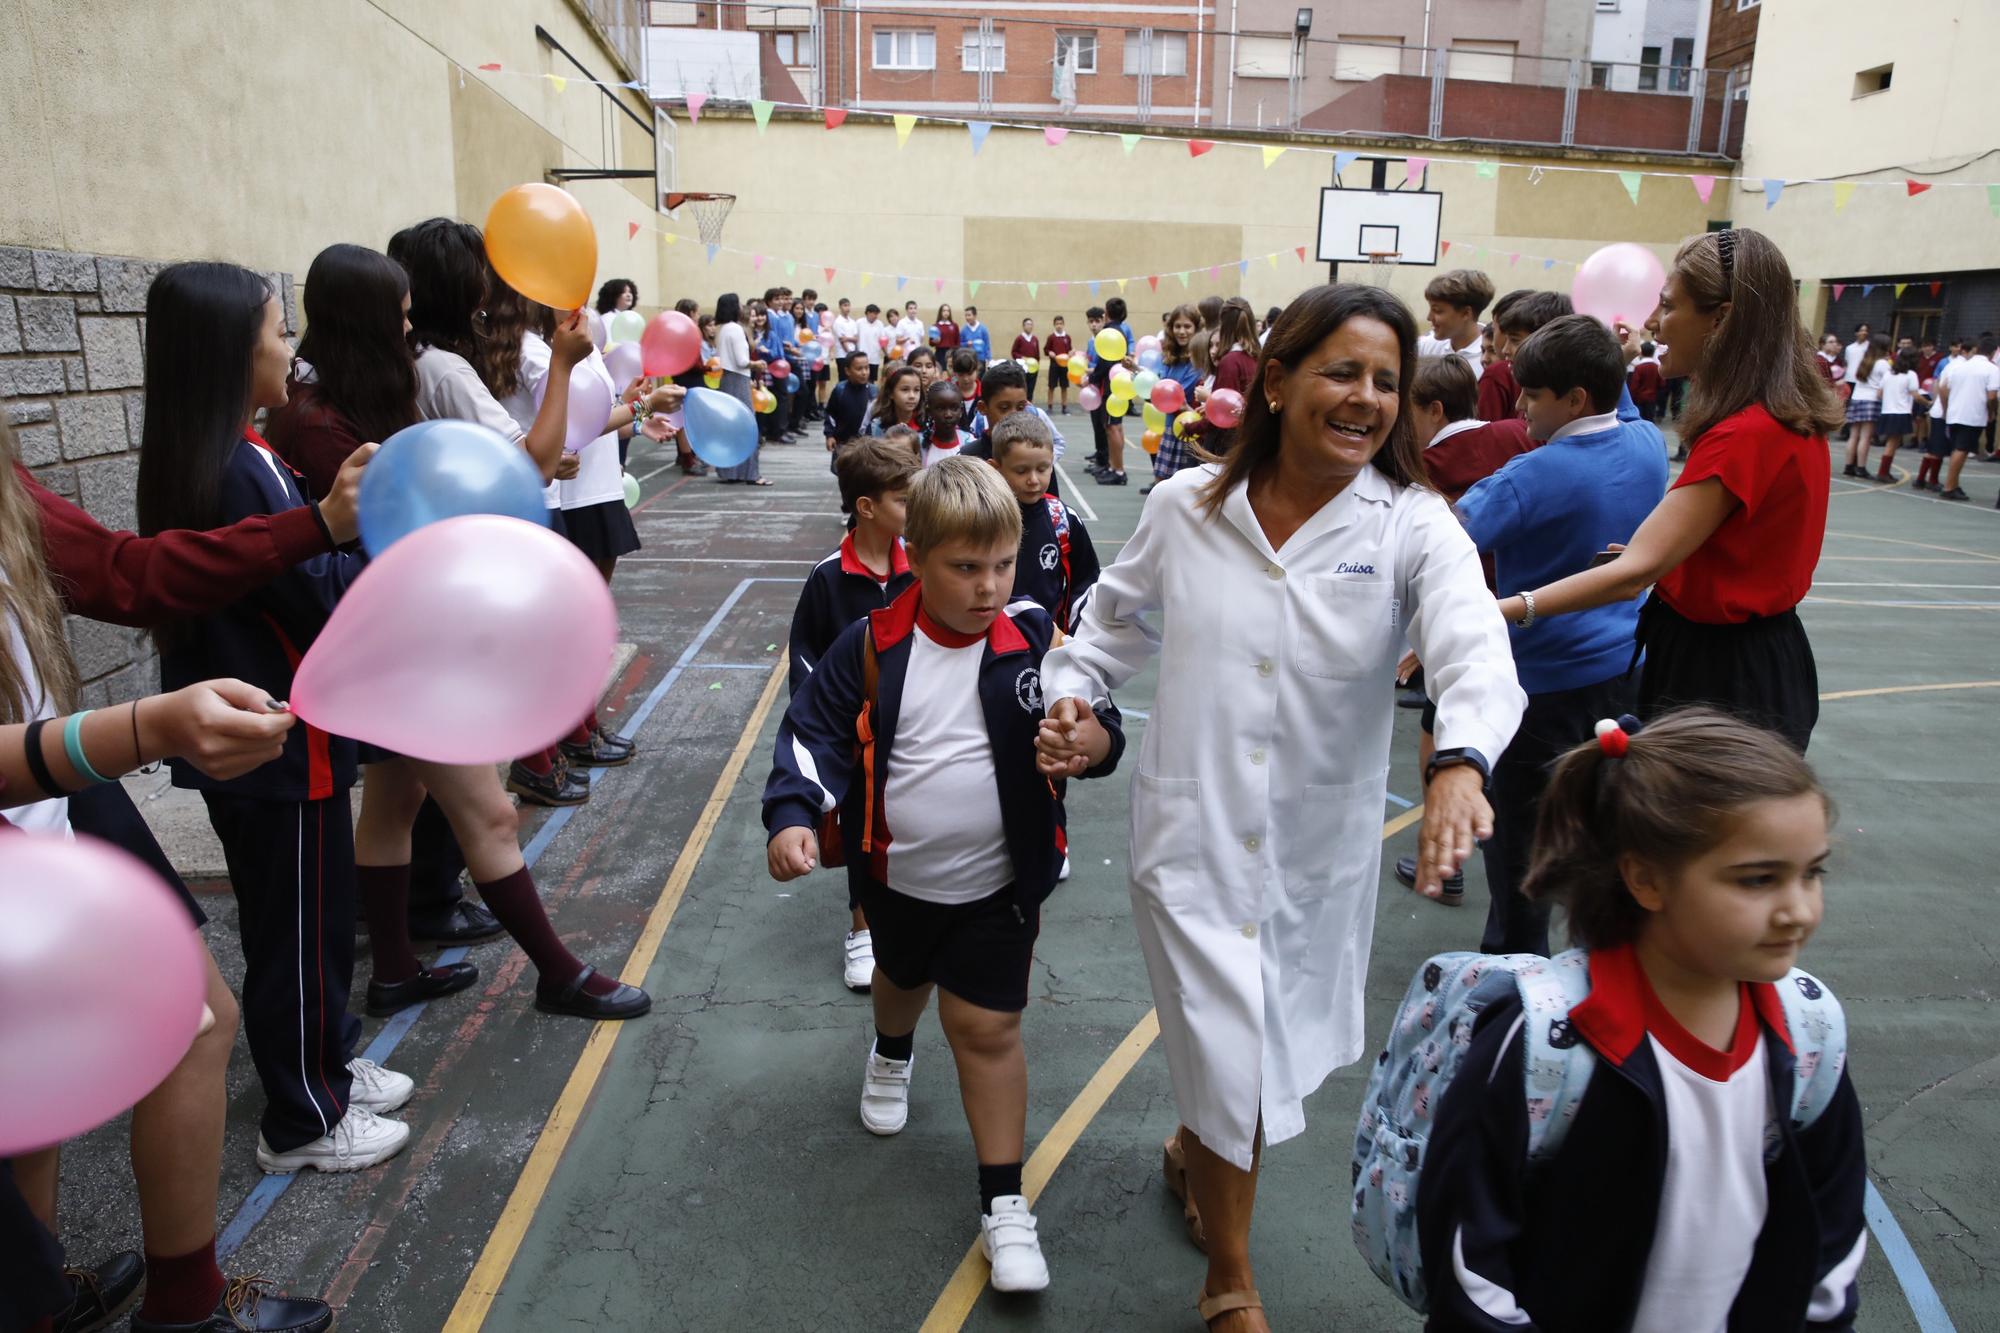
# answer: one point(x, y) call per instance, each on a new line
point(591, 398)
point(470, 641)
point(624, 362)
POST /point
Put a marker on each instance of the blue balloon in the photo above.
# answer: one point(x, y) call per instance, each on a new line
point(445, 469)
point(721, 429)
point(1152, 360)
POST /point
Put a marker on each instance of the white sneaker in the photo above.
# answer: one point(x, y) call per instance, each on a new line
point(858, 968)
point(1063, 874)
point(885, 1094)
point(1007, 1238)
point(380, 1090)
point(362, 1139)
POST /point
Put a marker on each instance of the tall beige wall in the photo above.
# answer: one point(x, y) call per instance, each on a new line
point(262, 133)
point(1025, 211)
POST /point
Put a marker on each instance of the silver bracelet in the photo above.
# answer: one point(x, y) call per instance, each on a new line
point(1527, 600)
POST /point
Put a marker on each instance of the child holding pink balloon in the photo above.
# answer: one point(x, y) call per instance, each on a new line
point(1177, 364)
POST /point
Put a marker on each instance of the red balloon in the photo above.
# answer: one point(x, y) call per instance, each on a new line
point(1224, 409)
point(781, 370)
point(670, 344)
point(1169, 396)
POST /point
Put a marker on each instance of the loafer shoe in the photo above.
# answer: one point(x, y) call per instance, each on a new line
point(1454, 888)
point(245, 1306)
point(462, 923)
point(600, 751)
point(101, 1294)
point(551, 788)
point(572, 999)
point(387, 997)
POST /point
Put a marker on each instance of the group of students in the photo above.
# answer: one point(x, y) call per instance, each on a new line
point(1946, 402)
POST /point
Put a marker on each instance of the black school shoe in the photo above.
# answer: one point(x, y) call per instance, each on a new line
point(245, 1306)
point(388, 997)
point(102, 1294)
point(1110, 478)
point(625, 1002)
point(461, 923)
point(557, 787)
point(1454, 888)
point(1955, 493)
point(600, 751)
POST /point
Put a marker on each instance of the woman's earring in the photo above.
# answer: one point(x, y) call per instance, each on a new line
point(1274, 407)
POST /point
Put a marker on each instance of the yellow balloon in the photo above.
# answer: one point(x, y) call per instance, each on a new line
point(713, 379)
point(541, 243)
point(1120, 375)
point(1117, 407)
point(1029, 364)
point(1077, 374)
point(1155, 419)
point(1187, 421)
point(1110, 344)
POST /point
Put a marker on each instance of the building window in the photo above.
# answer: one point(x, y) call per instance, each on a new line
point(1600, 76)
point(1358, 59)
point(1742, 5)
point(905, 48)
point(1264, 57)
point(1169, 52)
point(1873, 80)
point(987, 52)
point(1649, 68)
point(1078, 50)
point(672, 14)
point(1683, 57)
point(791, 48)
point(1487, 62)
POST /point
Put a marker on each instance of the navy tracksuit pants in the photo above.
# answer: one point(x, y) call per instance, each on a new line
point(291, 864)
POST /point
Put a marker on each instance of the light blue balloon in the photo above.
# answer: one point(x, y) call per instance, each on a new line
point(1151, 360)
point(445, 469)
point(721, 429)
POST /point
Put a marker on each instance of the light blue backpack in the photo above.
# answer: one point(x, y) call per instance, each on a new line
point(1428, 1041)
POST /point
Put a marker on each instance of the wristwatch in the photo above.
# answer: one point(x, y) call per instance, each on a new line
point(1453, 758)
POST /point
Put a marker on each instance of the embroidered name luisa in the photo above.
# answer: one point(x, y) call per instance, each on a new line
point(1349, 567)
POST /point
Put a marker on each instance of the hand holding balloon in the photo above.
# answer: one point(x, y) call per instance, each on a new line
point(571, 344)
point(342, 504)
point(569, 467)
point(225, 728)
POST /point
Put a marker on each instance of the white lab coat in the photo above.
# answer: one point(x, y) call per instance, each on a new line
point(1257, 801)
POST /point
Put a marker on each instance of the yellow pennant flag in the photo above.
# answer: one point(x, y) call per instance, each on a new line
point(1272, 152)
point(559, 81)
point(1121, 284)
point(1899, 288)
point(1842, 192)
point(904, 124)
point(865, 277)
point(1271, 259)
point(671, 238)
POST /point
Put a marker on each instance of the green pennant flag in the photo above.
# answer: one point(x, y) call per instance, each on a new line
point(1130, 141)
point(1630, 180)
point(1182, 275)
point(972, 289)
point(1486, 170)
point(1031, 289)
point(791, 267)
point(1993, 199)
point(762, 111)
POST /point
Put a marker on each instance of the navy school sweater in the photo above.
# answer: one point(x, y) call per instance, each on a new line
point(1058, 565)
point(839, 591)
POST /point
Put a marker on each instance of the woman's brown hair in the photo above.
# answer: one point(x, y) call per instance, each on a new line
point(1303, 325)
point(1760, 352)
point(1673, 795)
point(28, 597)
point(1169, 349)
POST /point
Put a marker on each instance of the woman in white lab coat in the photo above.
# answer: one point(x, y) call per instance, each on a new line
point(1280, 585)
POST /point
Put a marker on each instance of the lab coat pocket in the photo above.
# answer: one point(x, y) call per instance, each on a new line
point(1165, 853)
point(1335, 842)
point(1345, 629)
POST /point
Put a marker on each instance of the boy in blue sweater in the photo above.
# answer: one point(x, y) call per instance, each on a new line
point(1058, 565)
point(1597, 474)
point(919, 726)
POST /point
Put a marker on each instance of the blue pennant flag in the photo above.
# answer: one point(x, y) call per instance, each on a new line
point(1773, 187)
point(1094, 285)
point(711, 252)
point(902, 280)
point(1548, 264)
point(1242, 266)
point(980, 129)
point(1868, 288)
point(1341, 161)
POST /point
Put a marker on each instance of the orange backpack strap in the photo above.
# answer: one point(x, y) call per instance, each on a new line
point(864, 734)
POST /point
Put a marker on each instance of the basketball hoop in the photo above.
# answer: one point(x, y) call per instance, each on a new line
point(1381, 267)
point(710, 211)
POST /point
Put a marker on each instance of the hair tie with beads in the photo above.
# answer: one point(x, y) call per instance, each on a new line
point(1614, 736)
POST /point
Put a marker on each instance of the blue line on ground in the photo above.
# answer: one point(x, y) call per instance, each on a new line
point(1916, 1283)
point(265, 1195)
point(1397, 800)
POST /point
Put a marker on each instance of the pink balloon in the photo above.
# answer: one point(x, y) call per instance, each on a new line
point(781, 370)
point(470, 641)
point(670, 344)
point(101, 979)
point(625, 364)
point(1224, 409)
point(1169, 396)
point(1089, 398)
point(1620, 284)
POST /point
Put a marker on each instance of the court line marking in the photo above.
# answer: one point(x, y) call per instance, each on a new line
point(1922, 546)
point(1871, 559)
point(962, 1290)
point(1924, 1301)
point(264, 1196)
point(1072, 496)
point(482, 1285)
point(706, 560)
point(1911, 689)
point(1906, 605)
point(1938, 587)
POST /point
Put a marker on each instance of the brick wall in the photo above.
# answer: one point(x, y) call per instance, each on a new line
point(1732, 35)
point(72, 369)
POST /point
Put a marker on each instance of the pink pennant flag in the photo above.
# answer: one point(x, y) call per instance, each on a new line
point(1196, 147)
point(1514, 258)
point(1062, 288)
point(1413, 169)
point(829, 271)
point(631, 230)
point(1703, 186)
point(1839, 289)
point(492, 68)
point(1444, 247)
point(1214, 272)
point(835, 117)
point(1300, 251)
point(695, 102)
point(937, 284)
point(756, 261)
point(1054, 134)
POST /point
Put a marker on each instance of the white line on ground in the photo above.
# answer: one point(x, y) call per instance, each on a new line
point(1072, 496)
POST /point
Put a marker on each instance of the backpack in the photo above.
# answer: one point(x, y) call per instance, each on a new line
point(832, 847)
point(1429, 1038)
point(1059, 520)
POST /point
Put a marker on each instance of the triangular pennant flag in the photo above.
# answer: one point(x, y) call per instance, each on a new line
point(1130, 141)
point(1196, 147)
point(1032, 287)
point(829, 270)
point(1413, 169)
point(1094, 285)
point(1272, 259)
point(762, 111)
point(1054, 134)
point(1704, 186)
point(1514, 258)
point(669, 237)
point(494, 66)
point(835, 117)
point(557, 81)
point(902, 281)
point(631, 230)
point(1300, 251)
point(1341, 162)
point(1242, 266)
point(1182, 275)
point(1840, 290)
point(1444, 247)
point(865, 276)
point(1214, 272)
point(1842, 192)
point(1631, 181)
point(1272, 152)
point(1868, 288)
point(1900, 287)
point(972, 289)
point(695, 102)
point(937, 284)
point(1121, 283)
point(1773, 187)
point(1486, 170)
point(711, 252)
point(1936, 287)
point(1062, 288)
point(756, 261)
point(1993, 199)
point(1548, 264)
point(1916, 187)
point(904, 124)
point(791, 267)
point(979, 129)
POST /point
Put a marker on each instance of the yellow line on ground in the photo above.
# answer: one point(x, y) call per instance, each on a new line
point(1912, 689)
point(475, 1300)
point(961, 1292)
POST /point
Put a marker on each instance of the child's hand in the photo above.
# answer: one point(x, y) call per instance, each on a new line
point(792, 852)
point(666, 398)
point(225, 728)
point(568, 466)
point(572, 343)
point(1071, 740)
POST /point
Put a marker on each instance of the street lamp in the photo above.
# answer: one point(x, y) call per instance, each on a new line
point(1302, 23)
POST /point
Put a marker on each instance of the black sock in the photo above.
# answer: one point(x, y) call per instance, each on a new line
point(997, 1182)
point(895, 1048)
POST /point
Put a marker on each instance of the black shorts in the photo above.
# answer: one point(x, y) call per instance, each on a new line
point(1937, 444)
point(978, 951)
point(1965, 439)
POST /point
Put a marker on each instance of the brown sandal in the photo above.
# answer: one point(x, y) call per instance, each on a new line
point(1212, 1307)
point(1174, 1163)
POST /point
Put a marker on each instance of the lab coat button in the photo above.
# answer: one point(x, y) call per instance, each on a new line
point(1252, 843)
point(1250, 930)
point(1264, 667)
point(1256, 756)
point(1273, 573)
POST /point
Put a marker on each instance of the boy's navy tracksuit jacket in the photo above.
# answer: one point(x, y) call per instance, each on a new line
point(839, 591)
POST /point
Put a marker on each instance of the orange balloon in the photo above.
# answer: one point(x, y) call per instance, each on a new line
point(542, 245)
point(1150, 441)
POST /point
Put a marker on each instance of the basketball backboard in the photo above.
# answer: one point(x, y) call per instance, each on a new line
point(1353, 224)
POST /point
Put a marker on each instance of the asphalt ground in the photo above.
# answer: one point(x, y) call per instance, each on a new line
point(703, 1168)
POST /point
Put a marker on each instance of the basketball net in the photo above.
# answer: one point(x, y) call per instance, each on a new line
point(1382, 267)
point(710, 212)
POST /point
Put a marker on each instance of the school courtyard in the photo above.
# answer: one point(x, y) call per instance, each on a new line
point(704, 1167)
